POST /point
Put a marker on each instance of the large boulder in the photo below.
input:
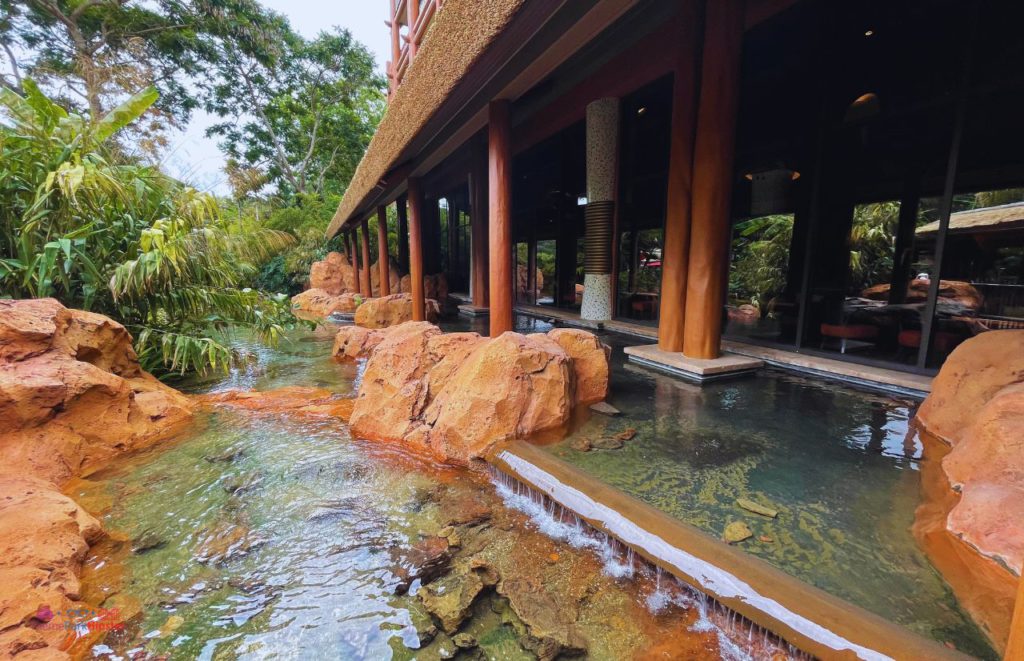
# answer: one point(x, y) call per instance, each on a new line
point(434, 286)
point(394, 279)
point(333, 274)
point(977, 406)
point(589, 362)
point(318, 303)
point(354, 342)
point(456, 395)
point(72, 395)
point(391, 310)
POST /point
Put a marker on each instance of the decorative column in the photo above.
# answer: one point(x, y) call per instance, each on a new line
point(403, 232)
point(419, 306)
point(712, 179)
point(383, 259)
point(675, 249)
point(364, 282)
point(602, 161)
point(499, 158)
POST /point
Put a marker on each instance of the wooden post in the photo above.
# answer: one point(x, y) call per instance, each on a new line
point(403, 233)
point(353, 250)
point(478, 231)
point(419, 307)
point(712, 178)
point(365, 288)
point(1015, 646)
point(383, 257)
point(676, 243)
point(499, 156)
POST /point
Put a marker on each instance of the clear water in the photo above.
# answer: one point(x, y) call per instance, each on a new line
point(272, 536)
point(841, 467)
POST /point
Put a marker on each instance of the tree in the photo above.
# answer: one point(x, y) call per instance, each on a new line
point(93, 54)
point(81, 223)
point(301, 110)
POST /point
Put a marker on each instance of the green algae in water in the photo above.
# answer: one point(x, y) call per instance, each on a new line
point(840, 466)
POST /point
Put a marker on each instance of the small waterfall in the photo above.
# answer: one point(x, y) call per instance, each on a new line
point(738, 637)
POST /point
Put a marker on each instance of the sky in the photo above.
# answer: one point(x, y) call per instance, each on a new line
point(195, 158)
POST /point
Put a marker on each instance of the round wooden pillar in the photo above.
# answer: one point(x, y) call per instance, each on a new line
point(383, 258)
point(353, 250)
point(676, 242)
point(712, 179)
point(499, 157)
point(478, 233)
point(419, 307)
point(365, 287)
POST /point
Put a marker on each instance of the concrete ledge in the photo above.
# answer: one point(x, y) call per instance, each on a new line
point(473, 311)
point(694, 369)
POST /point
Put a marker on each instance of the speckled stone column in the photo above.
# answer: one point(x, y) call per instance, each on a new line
point(602, 159)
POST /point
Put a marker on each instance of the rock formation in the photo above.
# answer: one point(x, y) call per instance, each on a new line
point(72, 395)
point(391, 310)
point(455, 395)
point(434, 286)
point(333, 274)
point(977, 406)
point(293, 400)
point(394, 277)
point(319, 303)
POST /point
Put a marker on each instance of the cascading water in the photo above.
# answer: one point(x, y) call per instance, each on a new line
point(738, 637)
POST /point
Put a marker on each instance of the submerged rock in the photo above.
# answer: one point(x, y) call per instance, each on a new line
point(757, 508)
point(552, 630)
point(294, 400)
point(736, 532)
point(391, 310)
point(449, 599)
point(427, 560)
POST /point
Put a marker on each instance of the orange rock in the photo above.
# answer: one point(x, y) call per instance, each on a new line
point(332, 274)
point(970, 377)
point(72, 395)
point(319, 303)
point(510, 386)
point(589, 362)
point(394, 279)
point(393, 391)
point(354, 342)
point(295, 400)
point(434, 286)
point(391, 311)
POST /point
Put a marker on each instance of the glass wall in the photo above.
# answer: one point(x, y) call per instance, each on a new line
point(879, 207)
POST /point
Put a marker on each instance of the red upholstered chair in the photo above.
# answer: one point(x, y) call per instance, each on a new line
point(845, 332)
point(942, 341)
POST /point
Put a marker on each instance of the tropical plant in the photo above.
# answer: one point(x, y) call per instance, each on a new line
point(82, 224)
point(760, 259)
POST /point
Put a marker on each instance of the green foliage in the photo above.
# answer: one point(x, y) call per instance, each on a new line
point(101, 233)
point(873, 244)
point(760, 259)
point(301, 110)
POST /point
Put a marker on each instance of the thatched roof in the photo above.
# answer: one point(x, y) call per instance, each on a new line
point(989, 219)
point(458, 35)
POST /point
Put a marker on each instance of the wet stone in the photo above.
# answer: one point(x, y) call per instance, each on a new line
point(427, 560)
point(464, 641)
point(147, 540)
point(450, 598)
point(611, 443)
point(604, 408)
point(581, 444)
point(225, 456)
point(737, 531)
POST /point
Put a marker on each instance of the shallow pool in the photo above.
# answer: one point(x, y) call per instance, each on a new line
point(840, 467)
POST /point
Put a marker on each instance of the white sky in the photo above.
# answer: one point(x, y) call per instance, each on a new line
point(196, 159)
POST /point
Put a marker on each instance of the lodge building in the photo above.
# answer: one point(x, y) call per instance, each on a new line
point(838, 185)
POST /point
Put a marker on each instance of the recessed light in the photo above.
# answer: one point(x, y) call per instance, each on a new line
point(868, 33)
point(641, 110)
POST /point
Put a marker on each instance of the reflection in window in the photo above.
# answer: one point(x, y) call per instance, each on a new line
point(758, 306)
point(639, 274)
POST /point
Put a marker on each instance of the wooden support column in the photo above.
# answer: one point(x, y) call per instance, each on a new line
point(419, 307)
point(364, 282)
point(403, 233)
point(383, 257)
point(676, 244)
point(499, 157)
point(478, 235)
point(353, 250)
point(412, 15)
point(712, 178)
point(1015, 645)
